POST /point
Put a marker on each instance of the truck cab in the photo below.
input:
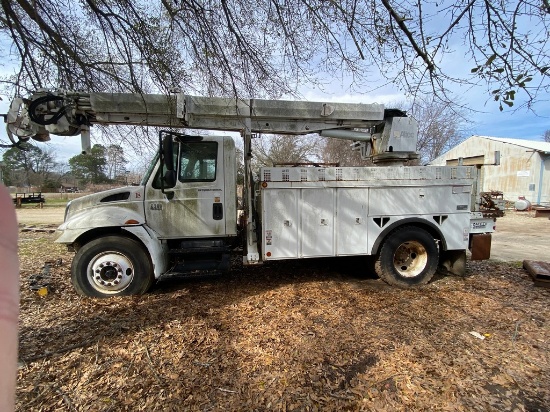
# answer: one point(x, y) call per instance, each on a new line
point(188, 225)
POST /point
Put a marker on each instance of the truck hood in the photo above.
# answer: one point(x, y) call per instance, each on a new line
point(126, 194)
point(99, 209)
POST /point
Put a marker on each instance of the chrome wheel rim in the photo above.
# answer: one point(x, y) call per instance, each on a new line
point(110, 272)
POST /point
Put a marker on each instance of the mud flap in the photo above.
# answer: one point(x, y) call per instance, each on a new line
point(480, 246)
point(453, 262)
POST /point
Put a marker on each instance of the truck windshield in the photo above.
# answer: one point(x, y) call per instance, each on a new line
point(149, 170)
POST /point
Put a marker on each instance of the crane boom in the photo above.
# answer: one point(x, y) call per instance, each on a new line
point(67, 113)
point(49, 109)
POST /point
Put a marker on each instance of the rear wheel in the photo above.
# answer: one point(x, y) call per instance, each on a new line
point(112, 266)
point(409, 257)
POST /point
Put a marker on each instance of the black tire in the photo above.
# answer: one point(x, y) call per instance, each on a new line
point(112, 266)
point(409, 257)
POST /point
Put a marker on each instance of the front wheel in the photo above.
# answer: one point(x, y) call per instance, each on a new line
point(409, 257)
point(112, 266)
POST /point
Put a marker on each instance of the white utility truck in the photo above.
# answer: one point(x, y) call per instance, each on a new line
point(183, 216)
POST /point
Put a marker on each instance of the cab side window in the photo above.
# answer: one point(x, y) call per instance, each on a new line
point(198, 161)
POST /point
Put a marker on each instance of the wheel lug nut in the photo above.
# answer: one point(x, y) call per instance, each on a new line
point(98, 277)
point(116, 282)
point(119, 276)
point(102, 282)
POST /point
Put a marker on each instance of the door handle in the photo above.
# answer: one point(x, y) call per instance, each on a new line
point(217, 211)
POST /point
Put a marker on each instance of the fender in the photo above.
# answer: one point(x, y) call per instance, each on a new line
point(116, 218)
point(98, 217)
point(158, 251)
point(432, 228)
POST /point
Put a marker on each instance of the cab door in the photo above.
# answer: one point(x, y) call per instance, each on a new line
point(194, 206)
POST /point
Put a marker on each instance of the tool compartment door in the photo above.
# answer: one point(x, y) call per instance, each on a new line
point(317, 222)
point(351, 227)
point(280, 223)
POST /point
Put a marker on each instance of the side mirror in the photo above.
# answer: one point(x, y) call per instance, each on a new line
point(168, 152)
point(167, 160)
point(169, 178)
